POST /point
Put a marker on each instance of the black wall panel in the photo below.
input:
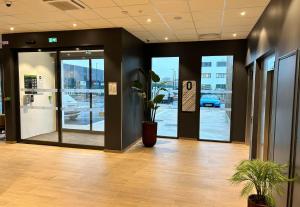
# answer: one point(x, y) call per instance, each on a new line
point(278, 30)
point(284, 115)
point(132, 104)
point(190, 54)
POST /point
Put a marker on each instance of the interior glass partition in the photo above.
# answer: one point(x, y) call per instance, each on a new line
point(38, 93)
point(82, 82)
point(215, 99)
point(167, 114)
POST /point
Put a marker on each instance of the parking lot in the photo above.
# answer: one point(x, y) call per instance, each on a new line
point(214, 122)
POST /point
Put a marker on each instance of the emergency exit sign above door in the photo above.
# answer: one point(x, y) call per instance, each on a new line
point(52, 39)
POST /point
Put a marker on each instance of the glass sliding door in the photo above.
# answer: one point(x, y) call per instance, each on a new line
point(215, 99)
point(82, 82)
point(167, 114)
point(38, 90)
point(98, 94)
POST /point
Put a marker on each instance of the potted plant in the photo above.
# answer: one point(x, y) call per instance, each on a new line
point(265, 177)
point(152, 99)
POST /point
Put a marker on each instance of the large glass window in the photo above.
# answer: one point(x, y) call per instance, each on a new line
point(215, 101)
point(168, 69)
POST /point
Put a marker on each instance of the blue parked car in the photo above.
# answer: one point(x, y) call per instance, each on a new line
point(210, 101)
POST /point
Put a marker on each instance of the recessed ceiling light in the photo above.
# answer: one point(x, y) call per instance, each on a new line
point(74, 25)
point(178, 18)
point(243, 13)
point(12, 29)
point(234, 34)
point(166, 38)
point(149, 20)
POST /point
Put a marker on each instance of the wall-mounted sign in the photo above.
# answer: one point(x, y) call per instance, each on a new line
point(189, 96)
point(112, 88)
point(52, 39)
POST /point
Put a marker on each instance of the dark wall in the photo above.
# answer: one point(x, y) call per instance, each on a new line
point(110, 39)
point(132, 106)
point(190, 54)
point(278, 30)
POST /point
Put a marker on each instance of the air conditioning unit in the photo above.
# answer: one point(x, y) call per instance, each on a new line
point(66, 5)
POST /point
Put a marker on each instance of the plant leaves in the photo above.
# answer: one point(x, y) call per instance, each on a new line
point(158, 99)
point(154, 77)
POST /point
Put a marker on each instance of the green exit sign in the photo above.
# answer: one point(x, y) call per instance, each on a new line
point(52, 39)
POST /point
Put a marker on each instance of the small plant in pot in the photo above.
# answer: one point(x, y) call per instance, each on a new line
point(152, 100)
point(265, 177)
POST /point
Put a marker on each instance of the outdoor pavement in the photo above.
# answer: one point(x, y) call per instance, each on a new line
point(214, 122)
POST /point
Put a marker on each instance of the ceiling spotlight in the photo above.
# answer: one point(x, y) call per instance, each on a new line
point(234, 34)
point(74, 25)
point(149, 20)
point(243, 13)
point(166, 38)
point(12, 29)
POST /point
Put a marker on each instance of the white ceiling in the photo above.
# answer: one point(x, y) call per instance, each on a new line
point(197, 17)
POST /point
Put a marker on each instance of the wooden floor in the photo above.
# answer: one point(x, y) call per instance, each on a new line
point(174, 173)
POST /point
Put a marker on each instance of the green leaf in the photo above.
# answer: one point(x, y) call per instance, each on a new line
point(137, 84)
point(154, 77)
point(150, 104)
point(158, 99)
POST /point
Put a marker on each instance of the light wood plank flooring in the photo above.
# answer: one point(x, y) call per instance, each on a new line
point(174, 173)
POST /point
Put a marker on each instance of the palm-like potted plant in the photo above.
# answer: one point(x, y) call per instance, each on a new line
point(265, 177)
point(152, 99)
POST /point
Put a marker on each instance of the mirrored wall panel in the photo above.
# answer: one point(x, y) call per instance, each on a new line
point(167, 113)
point(215, 97)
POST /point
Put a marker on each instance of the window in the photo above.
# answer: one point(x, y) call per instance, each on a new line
point(221, 64)
point(221, 75)
point(215, 99)
point(220, 86)
point(206, 75)
point(206, 64)
point(205, 87)
point(168, 70)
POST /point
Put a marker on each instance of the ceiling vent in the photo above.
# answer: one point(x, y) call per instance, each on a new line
point(210, 36)
point(66, 5)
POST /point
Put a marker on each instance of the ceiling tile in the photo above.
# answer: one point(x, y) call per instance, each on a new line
point(140, 10)
point(234, 4)
point(122, 22)
point(98, 23)
point(206, 5)
point(111, 12)
point(155, 19)
point(130, 2)
point(99, 3)
point(82, 14)
point(171, 6)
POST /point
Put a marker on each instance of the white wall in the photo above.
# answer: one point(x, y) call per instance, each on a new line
point(37, 121)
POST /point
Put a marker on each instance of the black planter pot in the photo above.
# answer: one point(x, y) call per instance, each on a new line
point(149, 134)
point(253, 201)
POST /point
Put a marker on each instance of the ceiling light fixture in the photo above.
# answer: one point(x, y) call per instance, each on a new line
point(166, 38)
point(124, 12)
point(74, 25)
point(234, 34)
point(12, 29)
point(243, 13)
point(177, 17)
point(149, 20)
